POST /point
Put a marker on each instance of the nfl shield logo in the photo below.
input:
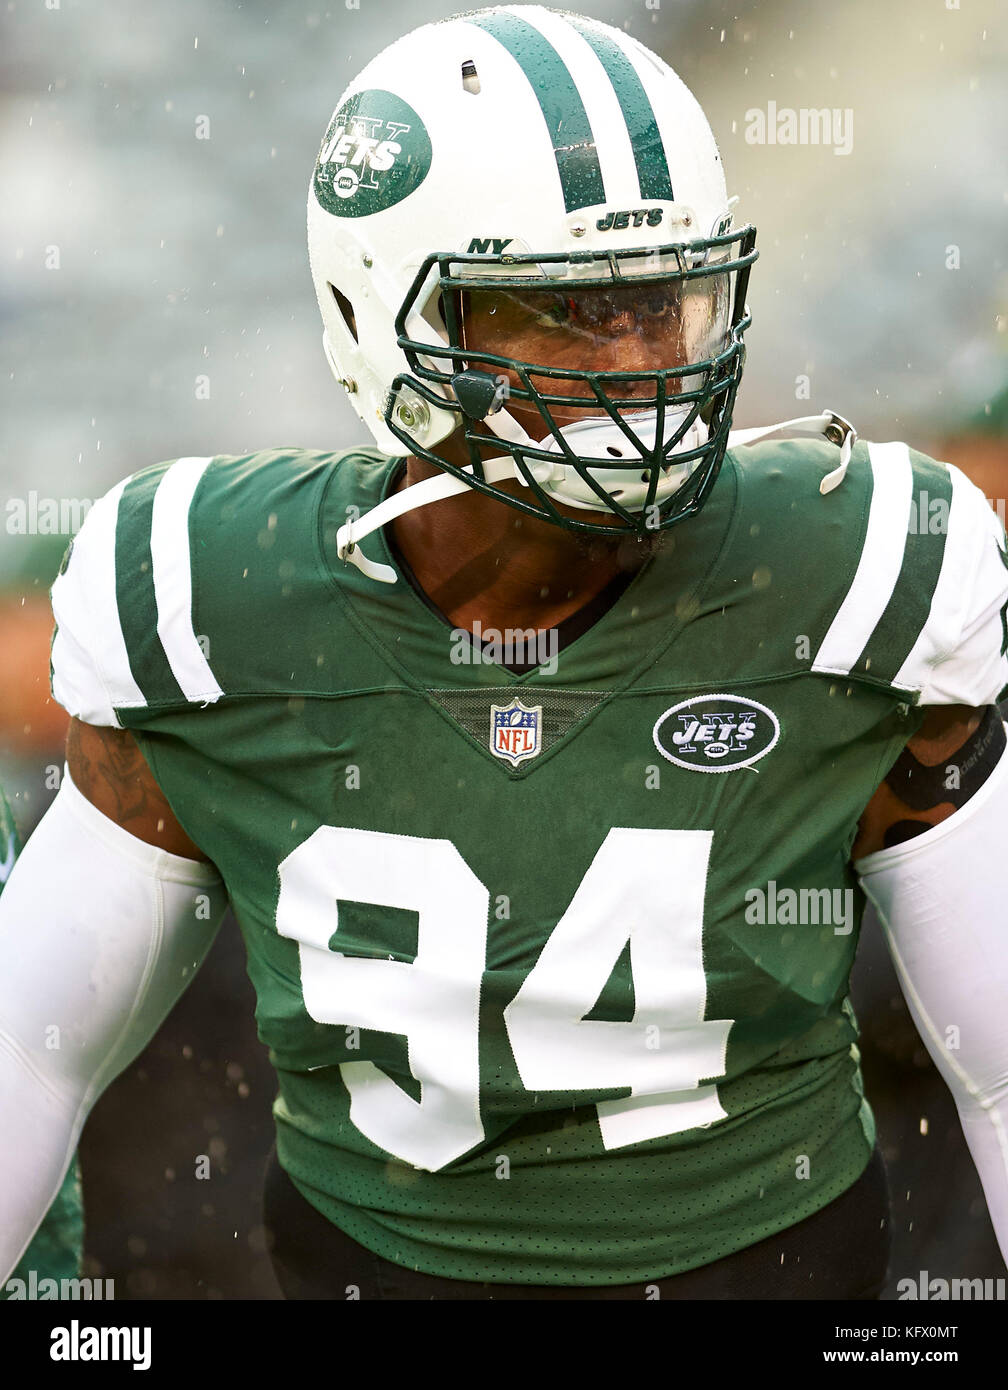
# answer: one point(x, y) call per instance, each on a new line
point(515, 731)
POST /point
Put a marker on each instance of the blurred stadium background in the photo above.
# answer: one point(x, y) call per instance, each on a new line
point(136, 258)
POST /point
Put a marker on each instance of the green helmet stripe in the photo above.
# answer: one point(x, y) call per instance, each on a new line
point(910, 602)
point(563, 110)
point(645, 137)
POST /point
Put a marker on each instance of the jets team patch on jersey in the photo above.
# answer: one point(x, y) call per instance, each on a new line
point(515, 731)
point(716, 733)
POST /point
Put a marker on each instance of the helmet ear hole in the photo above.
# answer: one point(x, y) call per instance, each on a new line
point(346, 311)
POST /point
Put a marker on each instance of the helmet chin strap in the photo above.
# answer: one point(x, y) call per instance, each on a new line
point(422, 494)
point(828, 424)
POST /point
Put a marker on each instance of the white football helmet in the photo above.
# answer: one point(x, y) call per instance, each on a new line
point(549, 168)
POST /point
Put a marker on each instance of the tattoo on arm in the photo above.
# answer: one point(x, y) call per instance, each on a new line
point(921, 786)
point(108, 768)
point(942, 766)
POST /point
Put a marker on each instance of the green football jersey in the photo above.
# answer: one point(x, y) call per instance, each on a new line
point(553, 967)
point(56, 1250)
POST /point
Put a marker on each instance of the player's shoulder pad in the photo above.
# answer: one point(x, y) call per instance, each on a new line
point(899, 572)
point(163, 562)
point(911, 560)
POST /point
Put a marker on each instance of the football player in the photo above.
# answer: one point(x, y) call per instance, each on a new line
point(547, 751)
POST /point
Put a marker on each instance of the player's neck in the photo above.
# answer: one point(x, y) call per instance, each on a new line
point(476, 558)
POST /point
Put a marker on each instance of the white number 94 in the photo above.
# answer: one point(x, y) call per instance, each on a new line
point(645, 887)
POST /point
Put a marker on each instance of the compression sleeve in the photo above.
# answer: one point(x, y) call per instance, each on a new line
point(99, 935)
point(941, 899)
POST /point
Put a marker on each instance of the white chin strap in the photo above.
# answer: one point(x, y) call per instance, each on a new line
point(594, 438)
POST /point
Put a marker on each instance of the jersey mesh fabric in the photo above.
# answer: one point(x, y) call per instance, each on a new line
point(376, 850)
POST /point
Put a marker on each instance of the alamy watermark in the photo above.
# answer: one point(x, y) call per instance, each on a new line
point(509, 646)
point(926, 1289)
point(77, 1343)
point(43, 1289)
point(929, 516)
point(808, 125)
point(801, 907)
point(46, 516)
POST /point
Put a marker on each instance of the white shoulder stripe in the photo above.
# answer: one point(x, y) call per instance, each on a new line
point(92, 652)
point(880, 563)
point(958, 658)
point(172, 574)
point(940, 633)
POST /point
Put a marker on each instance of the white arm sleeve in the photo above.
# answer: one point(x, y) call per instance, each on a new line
point(99, 935)
point(942, 902)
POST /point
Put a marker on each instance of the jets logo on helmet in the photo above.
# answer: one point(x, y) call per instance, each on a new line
point(375, 153)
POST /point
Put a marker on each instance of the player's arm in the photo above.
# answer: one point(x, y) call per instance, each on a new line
point(951, 755)
point(929, 854)
point(107, 767)
point(105, 919)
